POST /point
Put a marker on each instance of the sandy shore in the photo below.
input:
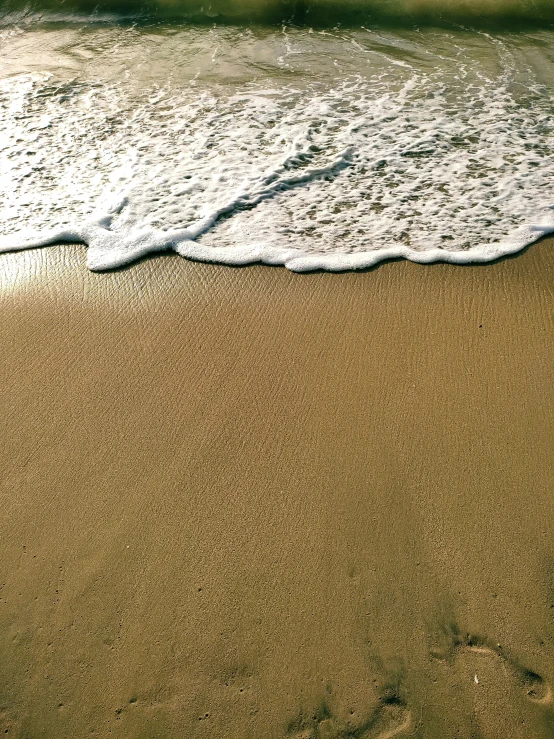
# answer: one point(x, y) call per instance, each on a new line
point(250, 504)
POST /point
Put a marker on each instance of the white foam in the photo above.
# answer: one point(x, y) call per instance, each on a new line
point(416, 159)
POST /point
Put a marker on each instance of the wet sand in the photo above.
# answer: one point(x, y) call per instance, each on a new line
point(250, 504)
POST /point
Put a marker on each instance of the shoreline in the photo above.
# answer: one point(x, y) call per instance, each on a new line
point(106, 253)
point(244, 503)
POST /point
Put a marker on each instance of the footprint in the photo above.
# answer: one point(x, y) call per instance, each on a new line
point(389, 719)
point(453, 642)
point(537, 689)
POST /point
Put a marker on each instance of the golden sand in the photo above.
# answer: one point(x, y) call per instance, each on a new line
point(247, 504)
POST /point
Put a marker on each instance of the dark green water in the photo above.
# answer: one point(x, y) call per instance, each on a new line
point(316, 13)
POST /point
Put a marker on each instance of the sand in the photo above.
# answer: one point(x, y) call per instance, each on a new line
point(251, 504)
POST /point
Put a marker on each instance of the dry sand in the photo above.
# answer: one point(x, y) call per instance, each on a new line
point(249, 504)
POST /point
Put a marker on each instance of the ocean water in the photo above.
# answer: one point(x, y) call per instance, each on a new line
point(314, 135)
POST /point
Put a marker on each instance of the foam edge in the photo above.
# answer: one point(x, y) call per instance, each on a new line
point(108, 250)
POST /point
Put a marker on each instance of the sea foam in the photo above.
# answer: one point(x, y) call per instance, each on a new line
point(330, 150)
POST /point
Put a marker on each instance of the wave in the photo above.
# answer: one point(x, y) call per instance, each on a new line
point(331, 149)
point(397, 159)
point(498, 13)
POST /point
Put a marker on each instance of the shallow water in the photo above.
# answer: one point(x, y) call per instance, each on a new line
point(313, 147)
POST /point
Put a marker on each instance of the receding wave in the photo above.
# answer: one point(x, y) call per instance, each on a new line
point(312, 12)
point(311, 148)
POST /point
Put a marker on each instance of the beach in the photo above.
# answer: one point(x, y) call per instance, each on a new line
point(248, 503)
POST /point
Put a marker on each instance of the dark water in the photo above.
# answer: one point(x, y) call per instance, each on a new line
point(317, 13)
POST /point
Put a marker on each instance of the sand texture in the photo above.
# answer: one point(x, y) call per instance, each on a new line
point(247, 504)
